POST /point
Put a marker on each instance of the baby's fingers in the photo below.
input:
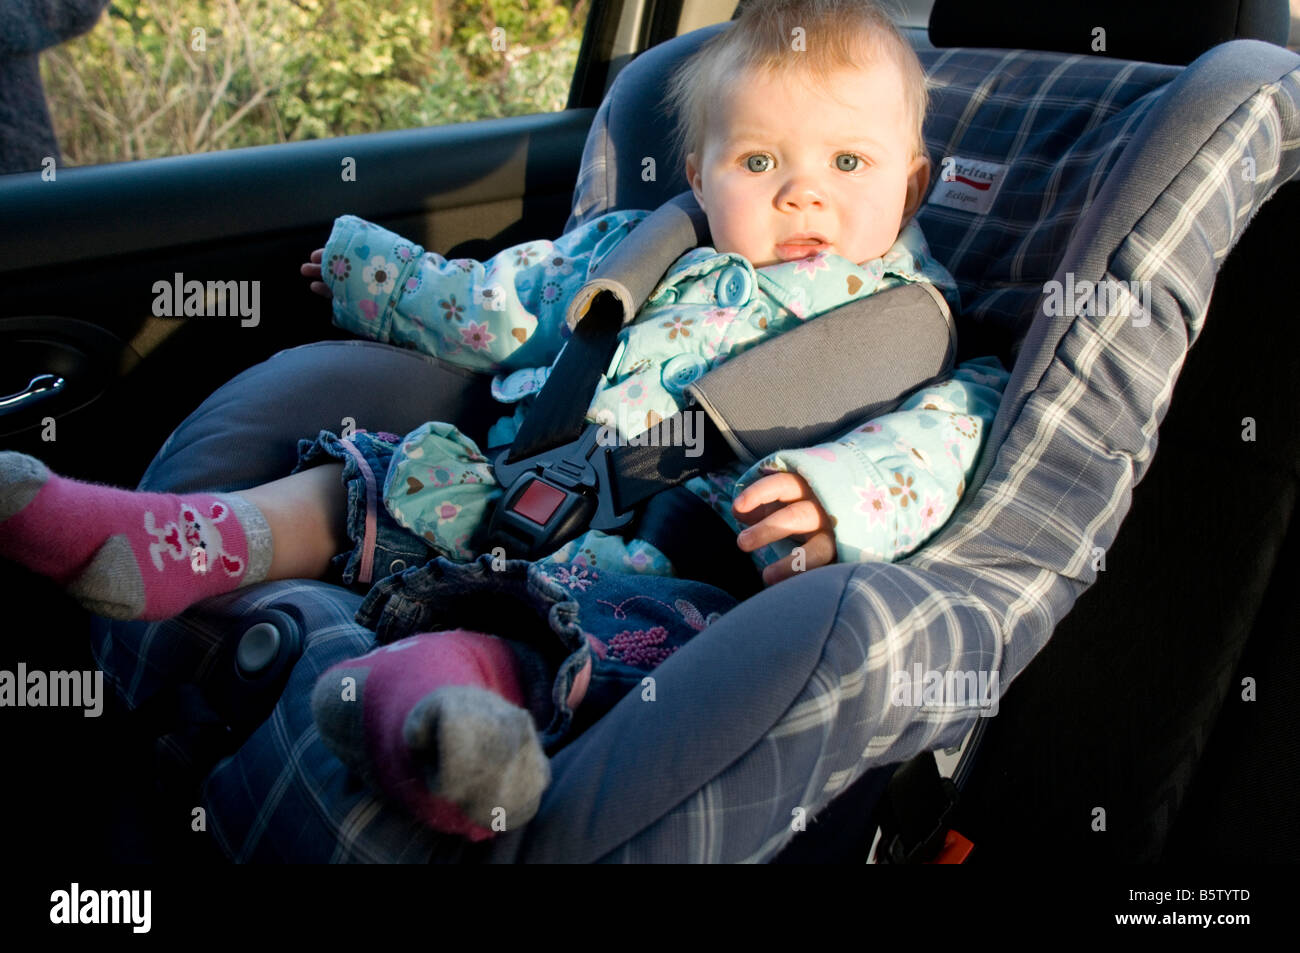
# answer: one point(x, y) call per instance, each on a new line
point(819, 550)
point(803, 516)
point(767, 495)
point(312, 270)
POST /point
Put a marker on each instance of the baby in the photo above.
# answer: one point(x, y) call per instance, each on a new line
point(801, 139)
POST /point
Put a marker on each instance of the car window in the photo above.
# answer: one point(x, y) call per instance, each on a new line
point(168, 77)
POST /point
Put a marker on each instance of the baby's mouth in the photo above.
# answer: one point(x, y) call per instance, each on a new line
point(801, 248)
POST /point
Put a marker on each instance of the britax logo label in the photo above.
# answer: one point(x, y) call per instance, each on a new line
point(968, 184)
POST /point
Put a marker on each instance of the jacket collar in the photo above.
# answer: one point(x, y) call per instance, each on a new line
point(834, 280)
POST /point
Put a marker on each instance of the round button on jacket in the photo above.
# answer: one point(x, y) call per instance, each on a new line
point(681, 371)
point(733, 287)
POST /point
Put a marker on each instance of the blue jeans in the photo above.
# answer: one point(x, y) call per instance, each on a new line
point(583, 643)
point(381, 545)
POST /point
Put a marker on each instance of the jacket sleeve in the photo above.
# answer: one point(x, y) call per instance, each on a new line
point(891, 483)
point(502, 314)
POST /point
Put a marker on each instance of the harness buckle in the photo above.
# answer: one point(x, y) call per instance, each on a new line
point(554, 496)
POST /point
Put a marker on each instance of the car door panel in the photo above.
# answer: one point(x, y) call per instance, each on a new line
point(90, 247)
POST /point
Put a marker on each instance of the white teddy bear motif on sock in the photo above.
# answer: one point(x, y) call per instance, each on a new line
point(195, 536)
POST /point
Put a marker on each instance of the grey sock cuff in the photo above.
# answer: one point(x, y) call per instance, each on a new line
point(257, 534)
point(21, 478)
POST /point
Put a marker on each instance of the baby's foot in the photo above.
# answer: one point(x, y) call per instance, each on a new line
point(124, 554)
point(435, 721)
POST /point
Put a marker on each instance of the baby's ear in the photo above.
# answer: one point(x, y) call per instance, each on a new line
point(695, 180)
point(918, 180)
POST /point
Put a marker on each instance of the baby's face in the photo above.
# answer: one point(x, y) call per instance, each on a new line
point(783, 160)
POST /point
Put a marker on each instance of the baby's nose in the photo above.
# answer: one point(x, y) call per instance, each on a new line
point(800, 195)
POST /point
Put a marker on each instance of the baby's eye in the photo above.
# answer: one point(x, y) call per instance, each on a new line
point(848, 161)
point(755, 162)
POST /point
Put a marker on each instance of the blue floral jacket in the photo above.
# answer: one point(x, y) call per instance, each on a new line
point(887, 484)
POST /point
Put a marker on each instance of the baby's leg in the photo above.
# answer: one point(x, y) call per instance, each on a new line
point(136, 555)
point(307, 516)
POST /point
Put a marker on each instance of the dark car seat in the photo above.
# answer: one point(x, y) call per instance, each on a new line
point(1114, 170)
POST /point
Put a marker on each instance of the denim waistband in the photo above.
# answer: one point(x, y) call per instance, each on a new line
point(381, 545)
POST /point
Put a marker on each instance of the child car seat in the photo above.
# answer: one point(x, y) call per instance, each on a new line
point(1110, 169)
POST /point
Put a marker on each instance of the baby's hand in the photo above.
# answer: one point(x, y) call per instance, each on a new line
point(312, 270)
point(777, 506)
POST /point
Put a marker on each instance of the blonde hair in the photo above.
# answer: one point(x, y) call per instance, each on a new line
point(836, 34)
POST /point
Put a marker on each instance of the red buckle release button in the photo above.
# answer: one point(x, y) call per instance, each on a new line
point(538, 502)
point(955, 849)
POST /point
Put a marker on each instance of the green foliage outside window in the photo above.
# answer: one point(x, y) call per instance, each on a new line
point(169, 77)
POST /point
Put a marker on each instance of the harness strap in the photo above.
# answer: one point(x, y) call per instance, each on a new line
point(563, 475)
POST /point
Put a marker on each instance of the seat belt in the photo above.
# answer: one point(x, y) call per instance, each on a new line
point(563, 475)
point(915, 817)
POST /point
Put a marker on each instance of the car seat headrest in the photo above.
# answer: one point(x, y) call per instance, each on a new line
point(1154, 31)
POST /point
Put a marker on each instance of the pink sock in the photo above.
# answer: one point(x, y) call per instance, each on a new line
point(435, 721)
point(124, 554)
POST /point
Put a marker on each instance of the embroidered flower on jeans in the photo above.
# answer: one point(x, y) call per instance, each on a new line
point(575, 577)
